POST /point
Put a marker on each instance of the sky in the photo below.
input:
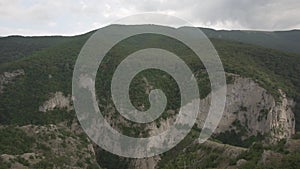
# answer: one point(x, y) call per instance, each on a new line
point(73, 17)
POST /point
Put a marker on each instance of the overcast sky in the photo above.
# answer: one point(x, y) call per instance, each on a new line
point(70, 17)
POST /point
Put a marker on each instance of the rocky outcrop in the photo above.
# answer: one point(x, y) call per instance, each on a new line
point(8, 77)
point(251, 109)
point(282, 119)
point(57, 100)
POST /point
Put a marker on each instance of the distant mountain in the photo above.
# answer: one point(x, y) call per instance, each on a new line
point(15, 47)
point(288, 41)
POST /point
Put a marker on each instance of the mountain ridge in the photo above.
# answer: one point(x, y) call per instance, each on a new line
point(285, 40)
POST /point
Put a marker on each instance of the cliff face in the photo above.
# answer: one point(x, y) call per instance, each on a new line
point(251, 109)
point(282, 119)
point(57, 100)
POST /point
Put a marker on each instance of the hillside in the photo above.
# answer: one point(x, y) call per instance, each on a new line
point(15, 47)
point(36, 91)
point(272, 69)
point(287, 41)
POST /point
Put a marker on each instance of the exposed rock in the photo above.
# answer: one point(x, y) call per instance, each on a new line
point(251, 108)
point(248, 107)
point(8, 77)
point(28, 156)
point(57, 100)
point(6, 157)
point(241, 162)
point(155, 129)
point(282, 119)
point(145, 163)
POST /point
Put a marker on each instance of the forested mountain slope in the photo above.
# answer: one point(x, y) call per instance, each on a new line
point(36, 94)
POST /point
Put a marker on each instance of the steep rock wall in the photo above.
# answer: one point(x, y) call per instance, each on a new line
point(251, 108)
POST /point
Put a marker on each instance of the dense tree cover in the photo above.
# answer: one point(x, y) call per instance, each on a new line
point(153, 78)
point(46, 72)
point(272, 69)
point(15, 47)
point(14, 141)
point(233, 137)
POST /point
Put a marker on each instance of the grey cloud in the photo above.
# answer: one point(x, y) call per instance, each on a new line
point(225, 14)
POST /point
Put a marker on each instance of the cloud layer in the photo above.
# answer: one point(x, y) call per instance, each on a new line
point(69, 17)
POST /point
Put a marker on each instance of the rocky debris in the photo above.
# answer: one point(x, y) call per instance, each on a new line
point(145, 163)
point(54, 145)
point(31, 158)
point(8, 77)
point(57, 100)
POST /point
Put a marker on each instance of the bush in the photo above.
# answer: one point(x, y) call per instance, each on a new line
point(14, 141)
